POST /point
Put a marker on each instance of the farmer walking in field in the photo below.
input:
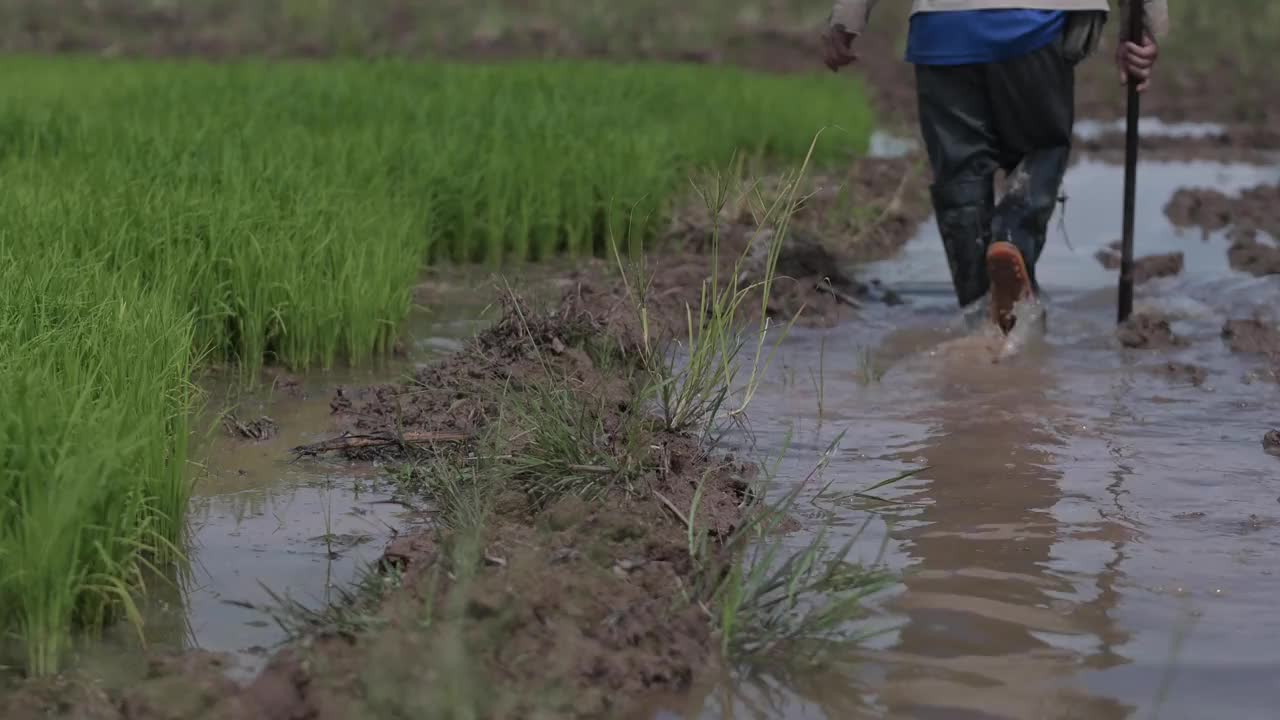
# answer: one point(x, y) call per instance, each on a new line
point(995, 86)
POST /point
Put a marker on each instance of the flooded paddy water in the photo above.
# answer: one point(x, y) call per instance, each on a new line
point(1093, 531)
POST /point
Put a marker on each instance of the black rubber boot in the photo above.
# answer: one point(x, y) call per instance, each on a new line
point(1031, 194)
point(964, 209)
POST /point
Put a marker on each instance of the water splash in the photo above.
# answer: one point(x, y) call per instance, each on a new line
point(1031, 324)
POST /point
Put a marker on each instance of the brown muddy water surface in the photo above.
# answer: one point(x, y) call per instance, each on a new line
point(1093, 532)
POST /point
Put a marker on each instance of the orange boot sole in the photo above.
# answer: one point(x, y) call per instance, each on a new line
point(1010, 282)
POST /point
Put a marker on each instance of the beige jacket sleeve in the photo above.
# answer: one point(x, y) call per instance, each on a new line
point(852, 15)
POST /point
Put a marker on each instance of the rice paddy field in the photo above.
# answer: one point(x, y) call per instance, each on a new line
point(164, 216)
point(201, 198)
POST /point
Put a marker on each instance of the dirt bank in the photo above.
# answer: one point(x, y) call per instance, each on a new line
point(1255, 209)
point(1145, 268)
point(577, 603)
point(1148, 331)
point(1249, 216)
point(1182, 373)
point(1271, 443)
point(1252, 337)
point(573, 561)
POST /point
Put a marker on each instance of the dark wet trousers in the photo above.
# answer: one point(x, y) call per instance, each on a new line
point(1014, 116)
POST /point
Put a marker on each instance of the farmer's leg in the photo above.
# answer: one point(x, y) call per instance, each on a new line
point(960, 137)
point(1033, 97)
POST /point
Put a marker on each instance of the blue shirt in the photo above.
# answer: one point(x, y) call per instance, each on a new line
point(965, 37)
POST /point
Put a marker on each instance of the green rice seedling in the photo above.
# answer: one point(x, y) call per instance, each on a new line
point(94, 379)
point(461, 492)
point(562, 445)
point(819, 379)
point(696, 377)
point(350, 613)
point(870, 372)
point(765, 596)
point(292, 205)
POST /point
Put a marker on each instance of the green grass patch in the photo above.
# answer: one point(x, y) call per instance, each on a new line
point(292, 204)
point(94, 382)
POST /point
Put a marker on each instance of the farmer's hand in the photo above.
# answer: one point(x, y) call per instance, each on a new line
point(837, 45)
point(1137, 61)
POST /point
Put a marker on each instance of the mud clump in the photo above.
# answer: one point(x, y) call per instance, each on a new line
point(1148, 331)
point(454, 396)
point(262, 428)
point(824, 238)
point(1271, 443)
point(1204, 208)
point(1182, 373)
point(1146, 268)
point(1252, 337)
point(1255, 209)
point(572, 604)
point(1250, 255)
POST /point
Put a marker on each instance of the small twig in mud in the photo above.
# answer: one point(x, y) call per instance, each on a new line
point(361, 442)
point(826, 287)
point(672, 507)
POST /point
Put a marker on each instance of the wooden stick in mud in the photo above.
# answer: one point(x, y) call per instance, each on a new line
point(362, 442)
point(1136, 31)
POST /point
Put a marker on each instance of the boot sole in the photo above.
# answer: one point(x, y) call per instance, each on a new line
point(1010, 282)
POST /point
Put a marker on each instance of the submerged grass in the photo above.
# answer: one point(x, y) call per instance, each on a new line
point(159, 214)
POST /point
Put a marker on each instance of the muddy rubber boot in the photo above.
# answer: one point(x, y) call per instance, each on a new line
point(1010, 282)
point(964, 211)
point(1031, 194)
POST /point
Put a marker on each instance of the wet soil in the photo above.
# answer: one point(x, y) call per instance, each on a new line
point(1148, 331)
point(1181, 373)
point(1145, 268)
point(1251, 255)
point(842, 222)
point(1271, 443)
point(1252, 336)
point(1210, 210)
point(570, 608)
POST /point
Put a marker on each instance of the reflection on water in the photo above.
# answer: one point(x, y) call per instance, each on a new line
point(1090, 539)
point(265, 527)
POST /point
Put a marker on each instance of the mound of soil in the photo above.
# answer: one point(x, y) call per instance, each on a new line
point(1147, 331)
point(1254, 209)
point(1146, 268)
point(1271, 443)
point(261, 428)
point(1250, 255)
point(566, 607)
point(1252, 336)
point(1182, 373)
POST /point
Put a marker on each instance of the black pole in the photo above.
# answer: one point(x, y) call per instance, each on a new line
point(1136, 32)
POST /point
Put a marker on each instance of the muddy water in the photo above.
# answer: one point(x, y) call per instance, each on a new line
point(265, 528)
point(1087, 538)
